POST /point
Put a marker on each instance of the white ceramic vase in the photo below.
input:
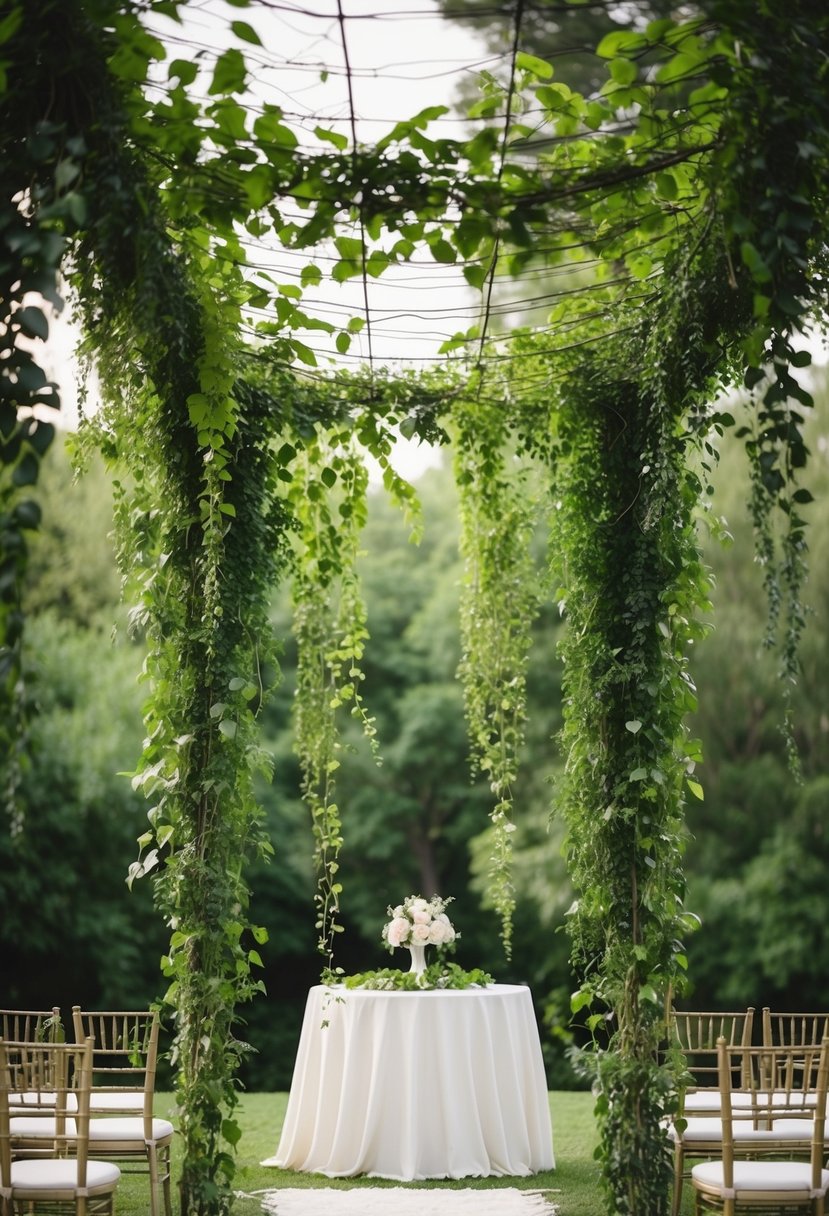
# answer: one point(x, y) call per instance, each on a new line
point(418, 951)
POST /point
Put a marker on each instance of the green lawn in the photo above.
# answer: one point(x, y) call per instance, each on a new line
point(573, 1183)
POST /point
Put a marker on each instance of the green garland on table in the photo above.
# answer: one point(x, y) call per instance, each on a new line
point(389, 979)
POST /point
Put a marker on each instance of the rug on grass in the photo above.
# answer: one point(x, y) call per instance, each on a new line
point(404, 1201)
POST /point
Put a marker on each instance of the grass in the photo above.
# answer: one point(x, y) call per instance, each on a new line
point(573, 1184)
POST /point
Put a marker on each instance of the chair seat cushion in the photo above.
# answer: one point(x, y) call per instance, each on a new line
point(709, 1131)
point(101, 1100)
point(44, 1098)
point(110, 1130)
point(37, 1126)
point(51, 1174)
point(761, 1175)
point(709, 1100)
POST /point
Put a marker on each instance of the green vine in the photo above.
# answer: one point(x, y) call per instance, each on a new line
point(330, 629)
point(687, 204)
point(499, 604)
point(437, 975)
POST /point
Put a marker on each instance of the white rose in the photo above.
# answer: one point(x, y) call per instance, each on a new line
point(420, 934)
point(419, 903)
point(437, 933)
point(421, 916)
point(398, 931)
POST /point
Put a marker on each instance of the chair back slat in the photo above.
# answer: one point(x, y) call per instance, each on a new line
point(124, 1059)
point(697, 1035)
point(796, 1029)
point(31, 1025)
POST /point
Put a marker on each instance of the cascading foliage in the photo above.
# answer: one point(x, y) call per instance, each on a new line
point(688, 201)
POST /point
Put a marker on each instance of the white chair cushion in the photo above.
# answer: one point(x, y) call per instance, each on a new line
point(127, 1129)
point(41, 1099)
point(41, 1174)
point(698, 1129)
point(709, 1131)
point(37, 1126)
point(100, 1100)
point(761, 1175)
point(709, 1100)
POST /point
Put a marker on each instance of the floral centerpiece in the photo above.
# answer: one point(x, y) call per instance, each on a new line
point(418, 923)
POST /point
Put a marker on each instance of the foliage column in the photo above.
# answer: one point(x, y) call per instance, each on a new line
point(632, 585)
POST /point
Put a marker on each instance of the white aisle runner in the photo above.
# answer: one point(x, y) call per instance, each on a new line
point(404, 1201)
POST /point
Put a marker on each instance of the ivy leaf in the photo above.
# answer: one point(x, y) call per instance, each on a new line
point(231, 1131)
point(33, 322)
point(229, 73)
point(184, 70)
point(228, 728)
point(580, 1000)
point(332, 137)
point(634, 726)
point(246, 32)
point(624, 71)
point(531, 63)
point(475, 275)
point(268, 129)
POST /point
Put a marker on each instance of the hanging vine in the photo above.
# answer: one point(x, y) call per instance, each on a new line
point(500, 599)
point(330, 629)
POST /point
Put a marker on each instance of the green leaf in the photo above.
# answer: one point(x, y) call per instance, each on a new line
point(580, 1000)
point(619, 40)
point(303, 353)
point(666, 186)
point(10, 24)
point(634, 726)
point(531, 63)
point(184, 70)
point(229, 74)
point(442, 251)
point(695, 788)
point(228, 728)
point(246, 32)
point(343, 342)
point(475, 275)
point(269, 130)
point(26, 472)
point(623, 71)
point(33, 322)
point(332, 137)
point(231, 1131)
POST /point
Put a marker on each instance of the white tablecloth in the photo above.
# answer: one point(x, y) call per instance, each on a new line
point(411, 1085)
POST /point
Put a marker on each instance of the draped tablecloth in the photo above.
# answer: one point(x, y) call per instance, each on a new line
point(412, 1085)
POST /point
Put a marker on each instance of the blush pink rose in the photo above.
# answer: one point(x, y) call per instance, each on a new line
point(398, 931)
point(420, 934)
point(437, 933)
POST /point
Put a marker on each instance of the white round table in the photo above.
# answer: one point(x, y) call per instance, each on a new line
point(412, 1085)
